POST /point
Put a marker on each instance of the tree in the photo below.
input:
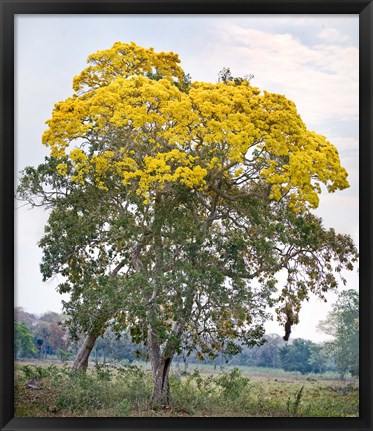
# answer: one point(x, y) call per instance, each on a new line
point(22, 316)
point(268, 354)
point(296, 357)
point(58, 337)
point(50, 317)
point(23, 341)
point(177, 204)
point(342, 324)
point(51, 334)
point(318, 358)
point(116, 346)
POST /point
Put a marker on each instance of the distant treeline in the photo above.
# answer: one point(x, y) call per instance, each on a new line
point(45, 337)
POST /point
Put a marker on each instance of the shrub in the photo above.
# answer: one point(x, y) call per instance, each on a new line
point(233, 384)
point(194, 394)
point(83, 392)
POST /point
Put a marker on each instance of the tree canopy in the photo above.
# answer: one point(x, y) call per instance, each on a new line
point(136, 129)
point(175, 204)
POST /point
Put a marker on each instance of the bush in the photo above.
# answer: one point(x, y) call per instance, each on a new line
point(56, 374)
point(193, 393)
point(211, 394)
point(64, 356)
point(120, 389)
point(136, 385)
point(83, 392)
point(233, 385)
point(103, 372)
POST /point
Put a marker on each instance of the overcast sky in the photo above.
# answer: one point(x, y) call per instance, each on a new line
point(313, 60)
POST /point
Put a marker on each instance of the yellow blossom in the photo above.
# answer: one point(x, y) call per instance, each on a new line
point(148, 133)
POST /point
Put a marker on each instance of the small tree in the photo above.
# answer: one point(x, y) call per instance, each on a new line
point(268, 354)
point(318, 358)
point(23, 341)
point(296, 357)
point(342, 324)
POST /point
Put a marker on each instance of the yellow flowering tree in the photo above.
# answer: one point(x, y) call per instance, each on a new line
point(176, 203)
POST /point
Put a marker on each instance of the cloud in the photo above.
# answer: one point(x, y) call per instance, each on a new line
point(340, 212)
point(333, 35)
point(321, 79)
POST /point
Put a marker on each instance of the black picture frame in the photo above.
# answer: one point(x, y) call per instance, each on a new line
point(8, 10)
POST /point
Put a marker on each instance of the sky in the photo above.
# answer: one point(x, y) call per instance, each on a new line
point(311, 59)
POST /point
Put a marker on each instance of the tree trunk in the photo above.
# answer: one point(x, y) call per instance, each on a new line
point(221, 358)
point(161, 364)
point(81, 360)
point(161, 391)
point(186, 363)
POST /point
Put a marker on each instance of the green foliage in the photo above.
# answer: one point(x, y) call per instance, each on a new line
point(319, 358)
point(193, 394)
point(46, 333)
point(296, 356)
point(198, 392)
point(122, 389)
point(103, 372)
point(115, 344)
point(267, 355)
point(23, 341)
point(233, 385)
point(56, 374)
point(83, 392)
point(30, 371)
point(343, 324)
point(64, 356)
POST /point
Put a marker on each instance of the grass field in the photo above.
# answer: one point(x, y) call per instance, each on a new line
point(120, 391)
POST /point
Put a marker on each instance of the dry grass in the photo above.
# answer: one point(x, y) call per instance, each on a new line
point(125, 391)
